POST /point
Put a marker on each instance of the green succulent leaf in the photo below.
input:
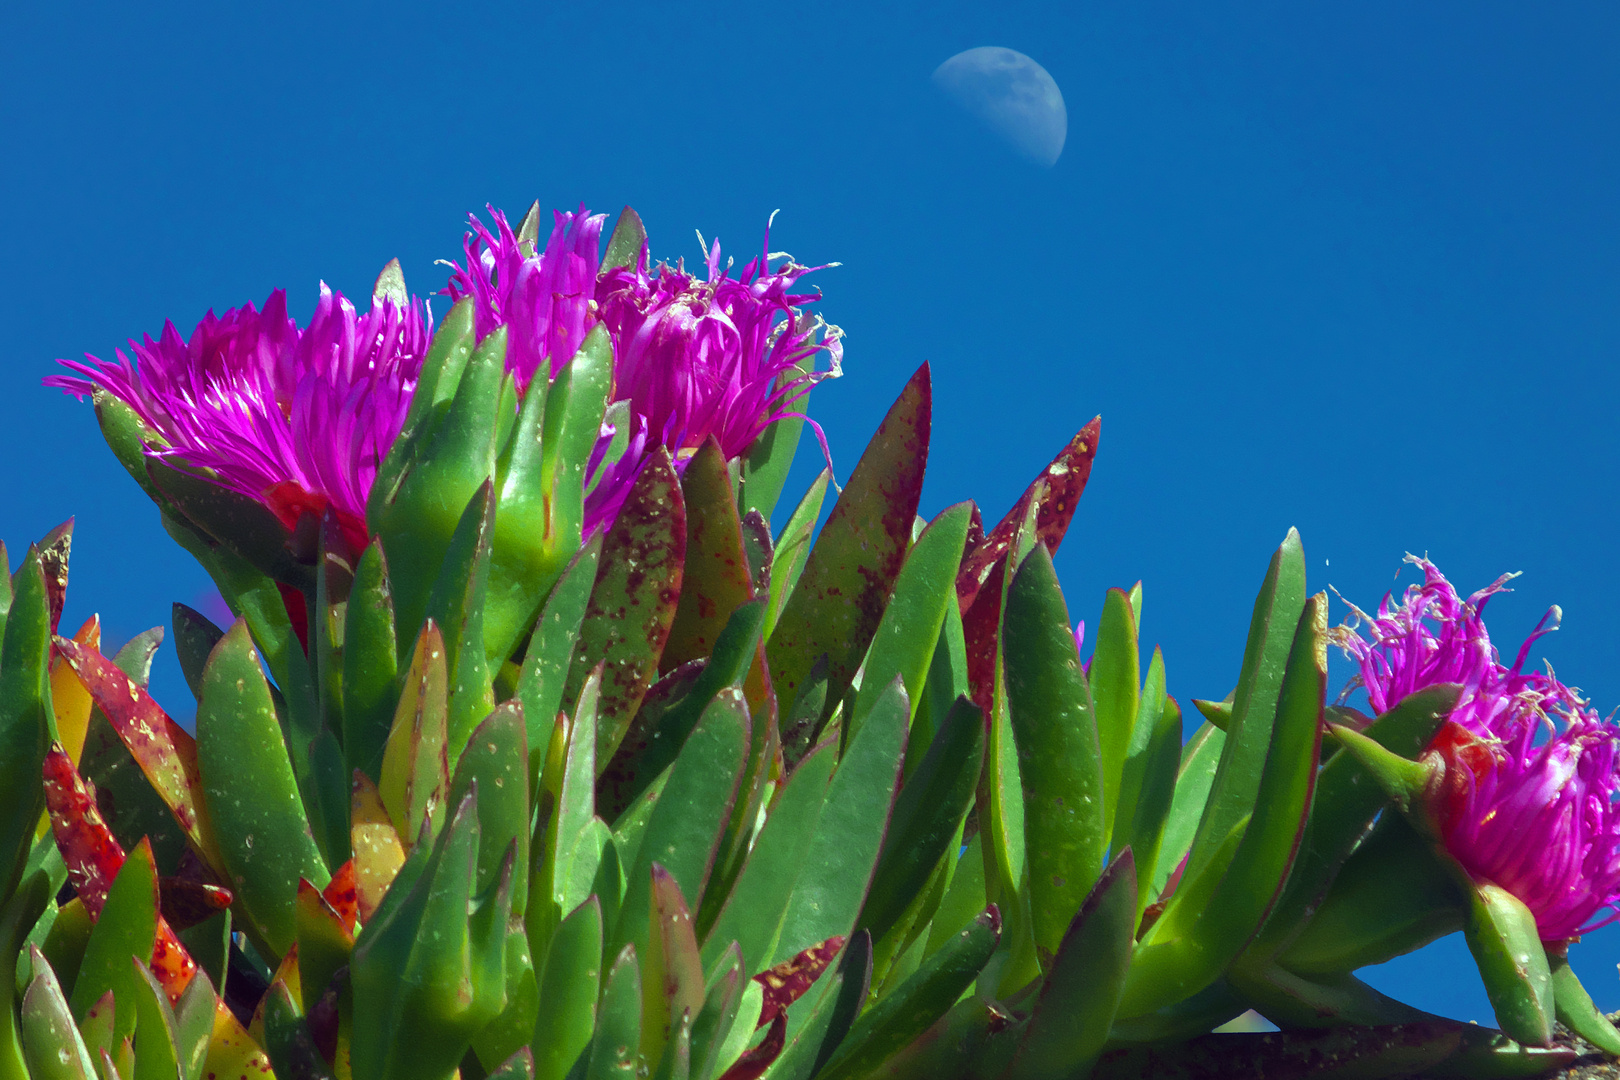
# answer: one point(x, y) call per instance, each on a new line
point(240, 523)
point(927, 817)
point(715, 581)
point(551, 647)
point(27, 723)
point(1190, 946)
point(51, 1042)
point(496, 760)
point(1501, 933)
point(370, 664)
point(633, 602)
point(415, 781)
point(195, 636)
point(792, 548)
point(125, 929)
point(1072, 1016)
point(901, 1016)
point(614, 1052)
point(568, 989)
point(1574, 1008)
point(263, 836)
point(905, 639)
point(753, 913)
point(837, 604)
point(838, 864)
point(684, 827)
point(1254, 708)
point(287, 1040)
point(1200, 758)
point(1053, 721)
point(624, 246)
point(1116, 687)
point(672, 987)
point(157, 1051)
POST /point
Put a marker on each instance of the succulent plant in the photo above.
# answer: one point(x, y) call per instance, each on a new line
point(559, 762)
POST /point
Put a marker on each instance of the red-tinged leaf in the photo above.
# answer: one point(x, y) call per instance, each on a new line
point(1057, 491)
point(849, 575)
point(94, 857)
point(163, 750)
point(53, 561)
point(343, 893)
point(752, 1065)
point(975, 535)
point(633, 602)
point(715, 580)
point(187, 902)
point(787, 982)
point(981, 627)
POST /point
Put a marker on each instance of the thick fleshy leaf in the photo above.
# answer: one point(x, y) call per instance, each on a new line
point(838, 602)
point(242, 524)
point(126, 927)
point(1392, 896)
point(1189, 946)
point(264, 839)
point(1200, 758)
point(415, 781)
point(1501, 933)
point(1290, 1000)
point(157, 1052)
point(905, 638)
point(54, 548)
point(51, 1041)
point(497, 760)
point(1115, 678)
point(792, 547)
point(195, 636)
point(569, 990)
point(902, 1015)
point(656, 735)
point(1400, 779)
point(456, 607)
point(927, 817)
point(825, 1014)
point(685, 824)
point(672, 976)
point(624, 246)
point(287, 1039)
point(551, 648)
point(753, 911)
point(1150, 780)
point(638, 584)
point(70, 701)
point(716, 580)
point(1053, 720)
point(614, 1051)
point(1574, 1007)
point(1347, 800)
point(26, 720)
point(1075, 1010)
point(1244, 753)
point(1053, 495)
point(838, 863)
point(378, 851)
point(370, 665)
point(163, 750)
point(787, 982)
point(324, 942)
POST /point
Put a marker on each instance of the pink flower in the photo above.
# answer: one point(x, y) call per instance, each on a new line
point(298, 419)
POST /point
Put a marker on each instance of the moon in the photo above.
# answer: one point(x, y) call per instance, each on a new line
point(1010, 94)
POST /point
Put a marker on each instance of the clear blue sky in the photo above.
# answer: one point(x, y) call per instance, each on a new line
point(1349, 268)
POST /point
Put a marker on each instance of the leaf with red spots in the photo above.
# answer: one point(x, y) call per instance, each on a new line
point(1055, 492)
point(187, 903)
point(752, 1065)
point(343, 894)
point(838, 602)
point(716, 579)
point(163, 750)
point(94, 857)
point(633, 603)
point(53, 560)
point(787, 982)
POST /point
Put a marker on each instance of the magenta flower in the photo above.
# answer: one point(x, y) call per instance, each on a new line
point(297, 419)
point(718, 357)
point(546, 299)
point(1529, 775)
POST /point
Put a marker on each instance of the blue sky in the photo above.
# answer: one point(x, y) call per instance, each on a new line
point(1348, 268)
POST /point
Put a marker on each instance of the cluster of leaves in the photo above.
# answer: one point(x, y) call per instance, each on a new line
point(693, 799)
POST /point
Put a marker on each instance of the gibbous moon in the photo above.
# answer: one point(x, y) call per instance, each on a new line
point(1012, 95)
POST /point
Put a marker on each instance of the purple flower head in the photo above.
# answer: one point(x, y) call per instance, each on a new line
point(718, 357)
point(297, 419)
point(546, 298)
point(1528, 771)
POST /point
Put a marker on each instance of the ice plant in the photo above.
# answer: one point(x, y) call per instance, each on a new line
point(545, 297)
point(297, 418)
point(724, 356)
point(1529, 770)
